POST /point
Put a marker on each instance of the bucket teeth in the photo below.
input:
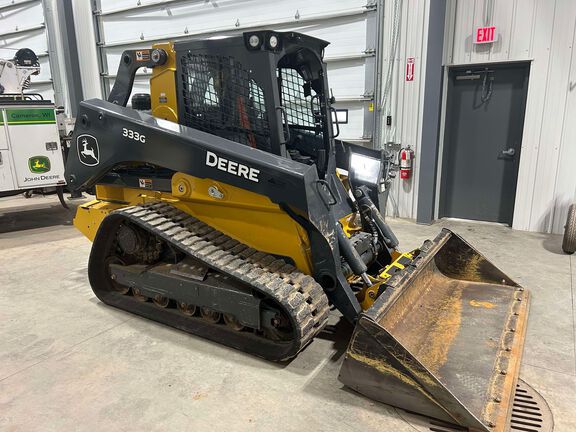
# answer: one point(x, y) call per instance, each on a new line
point(444, 339)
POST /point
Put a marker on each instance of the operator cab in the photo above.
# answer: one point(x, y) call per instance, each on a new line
point(270, 95)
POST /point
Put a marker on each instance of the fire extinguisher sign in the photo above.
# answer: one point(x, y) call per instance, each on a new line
point(410, 69)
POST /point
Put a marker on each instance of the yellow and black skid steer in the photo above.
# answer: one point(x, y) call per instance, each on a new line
point(227, 207)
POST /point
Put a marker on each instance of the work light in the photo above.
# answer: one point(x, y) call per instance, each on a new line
point(273, 41)
point(254, 41)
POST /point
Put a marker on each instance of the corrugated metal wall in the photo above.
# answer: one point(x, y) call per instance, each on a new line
point(542, 31)
point(404, 101)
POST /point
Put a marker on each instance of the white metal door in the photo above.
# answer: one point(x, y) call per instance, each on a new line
point(349, 25)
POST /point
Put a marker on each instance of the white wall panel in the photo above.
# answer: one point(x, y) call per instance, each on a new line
point(565, 181)
point(543, 208)
point(87, 52)
point(347, 35)
point(27, 15)
point(353, 129)
point(35, 40)
point(542, 32)
point(254, 6)
point(219, 15)
point(112, 5)
point(514, 21)
point(540, 48)
point(44, 74)
point(462, 39)
point(524, 21)
point(346, 78)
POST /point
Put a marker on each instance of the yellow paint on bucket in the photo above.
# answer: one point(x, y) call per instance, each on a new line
point(484, 304)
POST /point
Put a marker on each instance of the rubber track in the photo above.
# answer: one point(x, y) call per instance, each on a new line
point(299, 294)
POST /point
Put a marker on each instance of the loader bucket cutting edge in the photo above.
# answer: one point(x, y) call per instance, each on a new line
point(444, 339)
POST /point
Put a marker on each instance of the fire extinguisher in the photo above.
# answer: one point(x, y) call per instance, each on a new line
point(406, 157)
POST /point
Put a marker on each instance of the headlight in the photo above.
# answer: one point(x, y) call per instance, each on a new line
point(273, 41)
point(365, 169)
point(254, 41)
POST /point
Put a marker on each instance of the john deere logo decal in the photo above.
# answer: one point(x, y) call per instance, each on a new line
point(88, 151)
point(39, 164)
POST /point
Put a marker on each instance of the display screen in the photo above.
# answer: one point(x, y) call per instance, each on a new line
point(365, 169)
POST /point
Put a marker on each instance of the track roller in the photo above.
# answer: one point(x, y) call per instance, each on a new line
point(122, 289)
point(232, 322)
point(210, 315)
point(187, 309)
point(161, 301)
point(137, 294)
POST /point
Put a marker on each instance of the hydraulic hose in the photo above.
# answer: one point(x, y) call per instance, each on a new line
point(351, 255)
point(366, 205)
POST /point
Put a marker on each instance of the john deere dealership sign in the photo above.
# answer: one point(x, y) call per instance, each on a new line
point(30, 116)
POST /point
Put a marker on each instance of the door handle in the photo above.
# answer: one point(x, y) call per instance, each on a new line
point(286, 132)
point(510, 152)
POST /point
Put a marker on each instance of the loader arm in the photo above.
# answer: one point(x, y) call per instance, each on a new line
point(292, 185)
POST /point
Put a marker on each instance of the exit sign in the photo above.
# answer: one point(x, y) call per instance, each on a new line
point(485, 35)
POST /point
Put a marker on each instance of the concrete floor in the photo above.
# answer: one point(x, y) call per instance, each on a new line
point(69, 363)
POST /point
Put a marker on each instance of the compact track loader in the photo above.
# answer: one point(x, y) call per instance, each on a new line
point(231, 212)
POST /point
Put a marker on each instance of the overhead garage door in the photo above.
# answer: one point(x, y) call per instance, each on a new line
point(22, 25)
point(350, 26)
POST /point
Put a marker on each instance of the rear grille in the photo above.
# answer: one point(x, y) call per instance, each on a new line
point(530, 413)
point(220, 97)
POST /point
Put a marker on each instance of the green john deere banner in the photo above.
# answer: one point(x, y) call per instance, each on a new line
point(1, 117)
point(27, 116)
